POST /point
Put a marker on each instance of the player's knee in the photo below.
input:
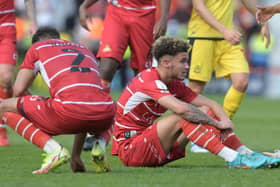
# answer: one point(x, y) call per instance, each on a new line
point(197, 86)
point(107, 68)
point(241, 84)
point(6, 79)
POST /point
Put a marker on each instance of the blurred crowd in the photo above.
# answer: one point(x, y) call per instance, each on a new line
point(63, 14)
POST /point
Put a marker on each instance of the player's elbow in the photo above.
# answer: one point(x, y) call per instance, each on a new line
point(181, 110)
point(17, 92)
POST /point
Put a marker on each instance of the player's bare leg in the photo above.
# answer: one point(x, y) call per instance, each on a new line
point(107, 68)
point(6, 74)
point(77, 164)
point(197, 86)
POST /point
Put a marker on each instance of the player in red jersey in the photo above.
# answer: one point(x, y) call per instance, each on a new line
point(139, 141)
point(77, 102)
point(127, 23)
point(7, 56)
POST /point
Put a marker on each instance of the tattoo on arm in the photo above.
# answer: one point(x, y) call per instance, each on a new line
point(195, 115)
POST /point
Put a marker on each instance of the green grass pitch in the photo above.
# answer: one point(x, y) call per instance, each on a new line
point(257, 123)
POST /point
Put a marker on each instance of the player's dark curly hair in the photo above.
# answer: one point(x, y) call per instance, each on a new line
point(45, 33)
point(166, 45)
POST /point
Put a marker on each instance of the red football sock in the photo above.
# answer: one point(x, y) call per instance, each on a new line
point(228, 138)
point(201, 136)
point(106, 85)
point(26, 129)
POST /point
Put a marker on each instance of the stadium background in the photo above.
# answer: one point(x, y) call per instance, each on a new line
point(257, 121)
point(264, 63)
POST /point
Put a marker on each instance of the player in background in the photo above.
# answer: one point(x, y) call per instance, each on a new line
point(77, 102)
point(212, 35)
point(139, 141)
point(127, 23)
point(7, 56)
point(216, 48)
point(264, 13)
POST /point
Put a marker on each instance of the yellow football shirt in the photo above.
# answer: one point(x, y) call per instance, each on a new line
point(222, 10)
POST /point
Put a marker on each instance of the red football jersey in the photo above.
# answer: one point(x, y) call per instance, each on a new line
point(137, 107)
point(7, 18)
point(71, 72)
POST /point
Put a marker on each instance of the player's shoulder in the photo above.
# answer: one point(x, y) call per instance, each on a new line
point(147, 75)
point(150, 78)
point(57, 43)
point(177, 85)
point(45, 43)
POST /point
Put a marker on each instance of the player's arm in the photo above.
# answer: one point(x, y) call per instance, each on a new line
point(201, 101)
point(251, 7)
point(189, 112)
point(231, 35)
point(83, 13)
point(264, 13)
point(23, 81)
point(161, 26)
point(77, 164)
point(31, 15)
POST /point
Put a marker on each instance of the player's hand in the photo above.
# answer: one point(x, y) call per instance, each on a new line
point(231, 35)
point(263, 14)
point(32, 28)
point(160, 28)
point(77, 165)
point(265, 34)
point(225, 124)
point(84, 17)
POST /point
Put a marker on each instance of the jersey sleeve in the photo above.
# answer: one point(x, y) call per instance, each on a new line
point(156, 89)
point(184, 93)
point(30, 58)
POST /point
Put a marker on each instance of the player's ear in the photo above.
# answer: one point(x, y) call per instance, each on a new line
point(165, 61)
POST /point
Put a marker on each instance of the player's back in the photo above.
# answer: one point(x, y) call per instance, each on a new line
point(71, 72)
point(65, 64)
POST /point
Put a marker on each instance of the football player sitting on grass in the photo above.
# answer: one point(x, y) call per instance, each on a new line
point(139, 141)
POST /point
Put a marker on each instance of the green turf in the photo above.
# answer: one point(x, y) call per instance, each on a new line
point(257, 124)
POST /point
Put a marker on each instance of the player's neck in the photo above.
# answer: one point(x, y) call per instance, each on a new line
point(164, 75)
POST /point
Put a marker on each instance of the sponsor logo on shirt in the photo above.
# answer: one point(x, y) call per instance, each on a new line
point(107, 48)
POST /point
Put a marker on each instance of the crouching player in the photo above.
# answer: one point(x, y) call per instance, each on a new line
point(138, 141)
point(77, 102)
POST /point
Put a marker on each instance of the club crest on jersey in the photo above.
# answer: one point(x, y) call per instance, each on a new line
point(107, 48)
point(197, 69)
